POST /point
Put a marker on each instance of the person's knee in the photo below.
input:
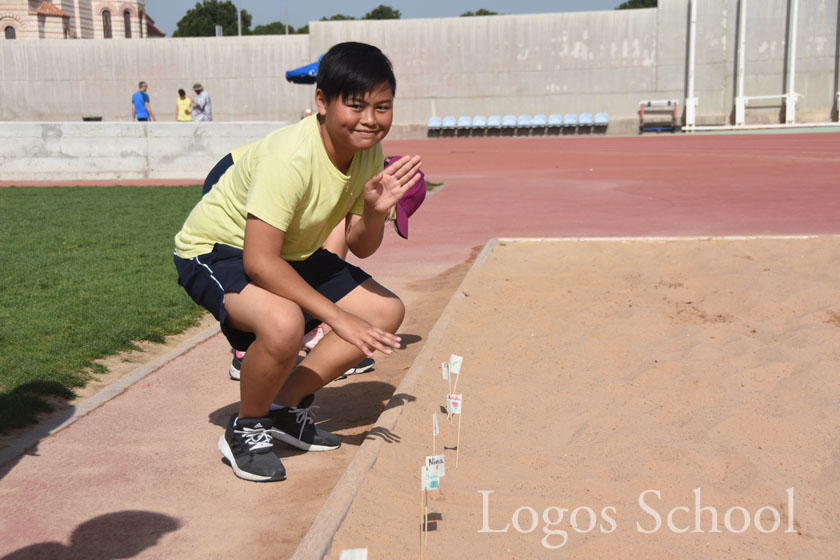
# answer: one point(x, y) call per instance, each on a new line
point(281, 335)
point(377, 305)
point(393, 312)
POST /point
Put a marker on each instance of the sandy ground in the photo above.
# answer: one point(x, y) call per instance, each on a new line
point(701, 372)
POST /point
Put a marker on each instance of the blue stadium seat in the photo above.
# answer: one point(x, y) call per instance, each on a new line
point(524, 121)
point(449, 123)
point(494, 121)
point(435, 123)
point(569, 121)
point(464, 123)
point(555, 119)
point(509, 121)
point(539, 121)
point(585, 119)
point(479, 121)
point(602, 119)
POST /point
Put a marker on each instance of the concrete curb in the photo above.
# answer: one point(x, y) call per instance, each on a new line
point(659, 239)
point(51, 426)
point(317, 541)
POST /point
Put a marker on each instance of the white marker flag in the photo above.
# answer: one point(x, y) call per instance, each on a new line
point(453, 404)
point(436, 465)
point(353, 554)
point(444, 370)
point(429, 479)
point(435, 427)
point(455, 363)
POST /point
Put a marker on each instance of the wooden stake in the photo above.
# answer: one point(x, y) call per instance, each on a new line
point(458, 443)
point(426, 519)
point(422, 524)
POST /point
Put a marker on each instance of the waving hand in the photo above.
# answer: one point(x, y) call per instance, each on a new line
point(384, 190)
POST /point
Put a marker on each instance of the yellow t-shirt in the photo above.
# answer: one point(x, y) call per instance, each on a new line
point(288, 181)
point(183, 105)
point(237, 153)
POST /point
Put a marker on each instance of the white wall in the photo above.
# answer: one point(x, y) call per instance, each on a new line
point(564, 62)
point(58, 80)
point(546, 63)
point(32, 151)
point(560, 62)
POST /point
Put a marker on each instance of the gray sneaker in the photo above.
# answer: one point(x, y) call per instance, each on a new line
point(249, 449)
point(295, 425)
point(365, 365)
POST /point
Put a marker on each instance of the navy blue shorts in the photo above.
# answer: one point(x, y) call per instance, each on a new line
point(208, 277)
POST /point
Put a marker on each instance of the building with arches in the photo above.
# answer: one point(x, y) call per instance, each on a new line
point(76, 19)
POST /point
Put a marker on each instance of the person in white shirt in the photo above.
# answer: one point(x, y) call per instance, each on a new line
point(202, 109)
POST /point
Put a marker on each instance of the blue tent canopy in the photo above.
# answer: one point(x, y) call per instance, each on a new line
point(304, 74)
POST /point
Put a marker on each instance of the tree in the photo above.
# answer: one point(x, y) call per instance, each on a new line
point(634, 4)
point(338, 17)
point(383, 12)
point(481, 12)
point(273, 28)
point(202, 20)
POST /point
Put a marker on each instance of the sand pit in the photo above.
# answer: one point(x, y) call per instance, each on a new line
point(601, 373)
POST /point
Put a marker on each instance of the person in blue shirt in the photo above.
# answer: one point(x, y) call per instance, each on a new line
point(140, 109)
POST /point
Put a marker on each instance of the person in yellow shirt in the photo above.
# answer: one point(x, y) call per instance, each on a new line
point(183, 107)
point(335, 243)
point(251, 253)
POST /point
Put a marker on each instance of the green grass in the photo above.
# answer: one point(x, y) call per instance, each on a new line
point(85, 271)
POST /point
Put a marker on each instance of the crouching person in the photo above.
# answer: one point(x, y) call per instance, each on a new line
point(250, 252)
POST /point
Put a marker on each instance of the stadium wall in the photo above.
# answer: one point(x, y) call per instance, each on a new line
point(41, 151)
point(546, 63)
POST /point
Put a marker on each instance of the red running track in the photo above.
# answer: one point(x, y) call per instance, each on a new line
point(703, 185)
point(749, 184)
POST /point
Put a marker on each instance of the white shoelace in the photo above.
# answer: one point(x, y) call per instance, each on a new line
point(255, 439)
point(304, 416)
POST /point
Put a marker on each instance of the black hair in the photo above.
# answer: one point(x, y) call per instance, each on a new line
point(181, 92)
point(353, 69)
